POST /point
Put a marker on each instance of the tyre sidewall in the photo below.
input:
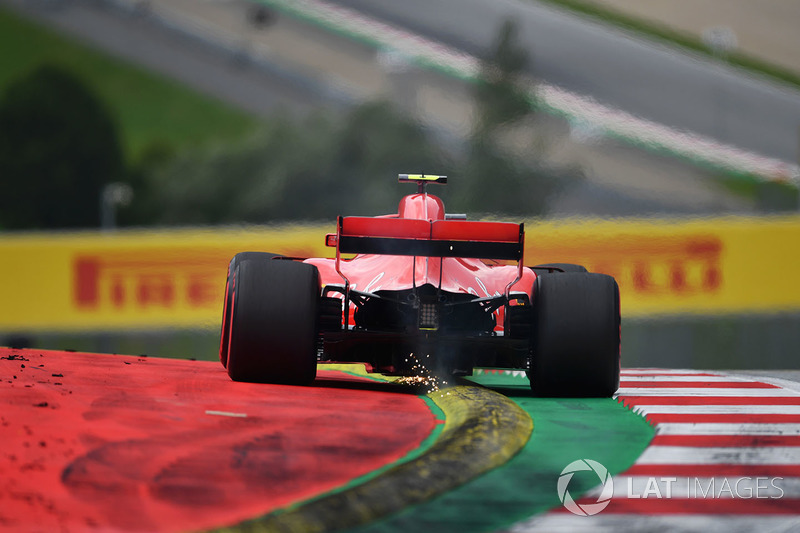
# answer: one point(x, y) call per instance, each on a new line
point(273, 335)
point(224, 334)
point(576, 335)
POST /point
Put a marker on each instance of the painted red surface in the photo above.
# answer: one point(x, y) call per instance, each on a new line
point(726, 441)
point(101, 442)
point(422, 217)
point(729, 418)
point(757, 441)
point(712, 470)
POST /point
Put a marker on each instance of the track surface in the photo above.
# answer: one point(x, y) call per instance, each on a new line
point(727, 450)
point(84, 432)
point(643, 78)
point(565, 429)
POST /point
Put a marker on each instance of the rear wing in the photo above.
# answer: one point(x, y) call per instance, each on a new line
point(437, 238)
point(426, 238)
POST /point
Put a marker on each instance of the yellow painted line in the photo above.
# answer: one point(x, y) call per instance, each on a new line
point(483, 430)
point(356, 369)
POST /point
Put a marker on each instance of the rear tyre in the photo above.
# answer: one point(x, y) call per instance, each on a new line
point(273, 332)
point(576, 335)
point(226, 307)
point(558, 268)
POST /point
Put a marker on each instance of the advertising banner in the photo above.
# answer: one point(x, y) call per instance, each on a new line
point(130, 280)
point(175, 279)
point(666, 267)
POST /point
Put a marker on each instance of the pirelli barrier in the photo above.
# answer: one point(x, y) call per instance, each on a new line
point(175, 279)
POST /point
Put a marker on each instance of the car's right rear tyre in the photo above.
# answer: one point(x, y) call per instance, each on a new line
point(273, 330)
point(576, 335)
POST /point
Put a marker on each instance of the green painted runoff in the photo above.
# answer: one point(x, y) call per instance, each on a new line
point(564, 429)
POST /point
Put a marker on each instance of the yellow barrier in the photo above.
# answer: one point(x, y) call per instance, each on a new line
point(165, 279)
point(708, 266)
point(130, 280)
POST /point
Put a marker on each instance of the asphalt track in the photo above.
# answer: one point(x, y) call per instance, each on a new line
point(121, 443)
point(646, 79)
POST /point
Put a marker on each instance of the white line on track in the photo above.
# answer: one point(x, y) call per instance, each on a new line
point(503, 372)
point(785, 383)
point(661, 372)
point(703, 391)
point(226, 413)
point(718, 409)
point(670, 428)
point(643, 389)
point(615, 523)
point(667, 377)
point(681, 455)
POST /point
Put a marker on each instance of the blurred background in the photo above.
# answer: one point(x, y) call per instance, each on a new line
point(144, 142)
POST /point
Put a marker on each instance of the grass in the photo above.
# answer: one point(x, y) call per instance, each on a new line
point(148, 108)
point(768, 195)
point(675, 37)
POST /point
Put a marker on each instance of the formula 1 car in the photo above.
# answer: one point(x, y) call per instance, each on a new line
point(425, 288)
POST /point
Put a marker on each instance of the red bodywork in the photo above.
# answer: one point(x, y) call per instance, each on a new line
point(422, 217)
point(423, 281)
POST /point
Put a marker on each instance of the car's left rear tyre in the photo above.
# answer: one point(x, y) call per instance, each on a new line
point(225, 330)
point(273, 330)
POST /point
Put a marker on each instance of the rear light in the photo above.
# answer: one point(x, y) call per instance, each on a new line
point(428, 316)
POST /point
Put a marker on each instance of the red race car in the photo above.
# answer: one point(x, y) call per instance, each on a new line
point(425, 290)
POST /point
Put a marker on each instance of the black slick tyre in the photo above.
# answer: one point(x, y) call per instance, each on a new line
point(225, 330)
point(557, 268)
point(273, 332)
point(576, 335)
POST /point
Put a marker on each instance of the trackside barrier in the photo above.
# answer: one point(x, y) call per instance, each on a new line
point(175, 279)
point(578, 109)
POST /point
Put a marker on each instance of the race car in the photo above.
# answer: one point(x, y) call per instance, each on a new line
point(422, 289)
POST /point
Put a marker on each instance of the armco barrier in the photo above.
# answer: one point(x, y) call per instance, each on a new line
point(175, 279)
